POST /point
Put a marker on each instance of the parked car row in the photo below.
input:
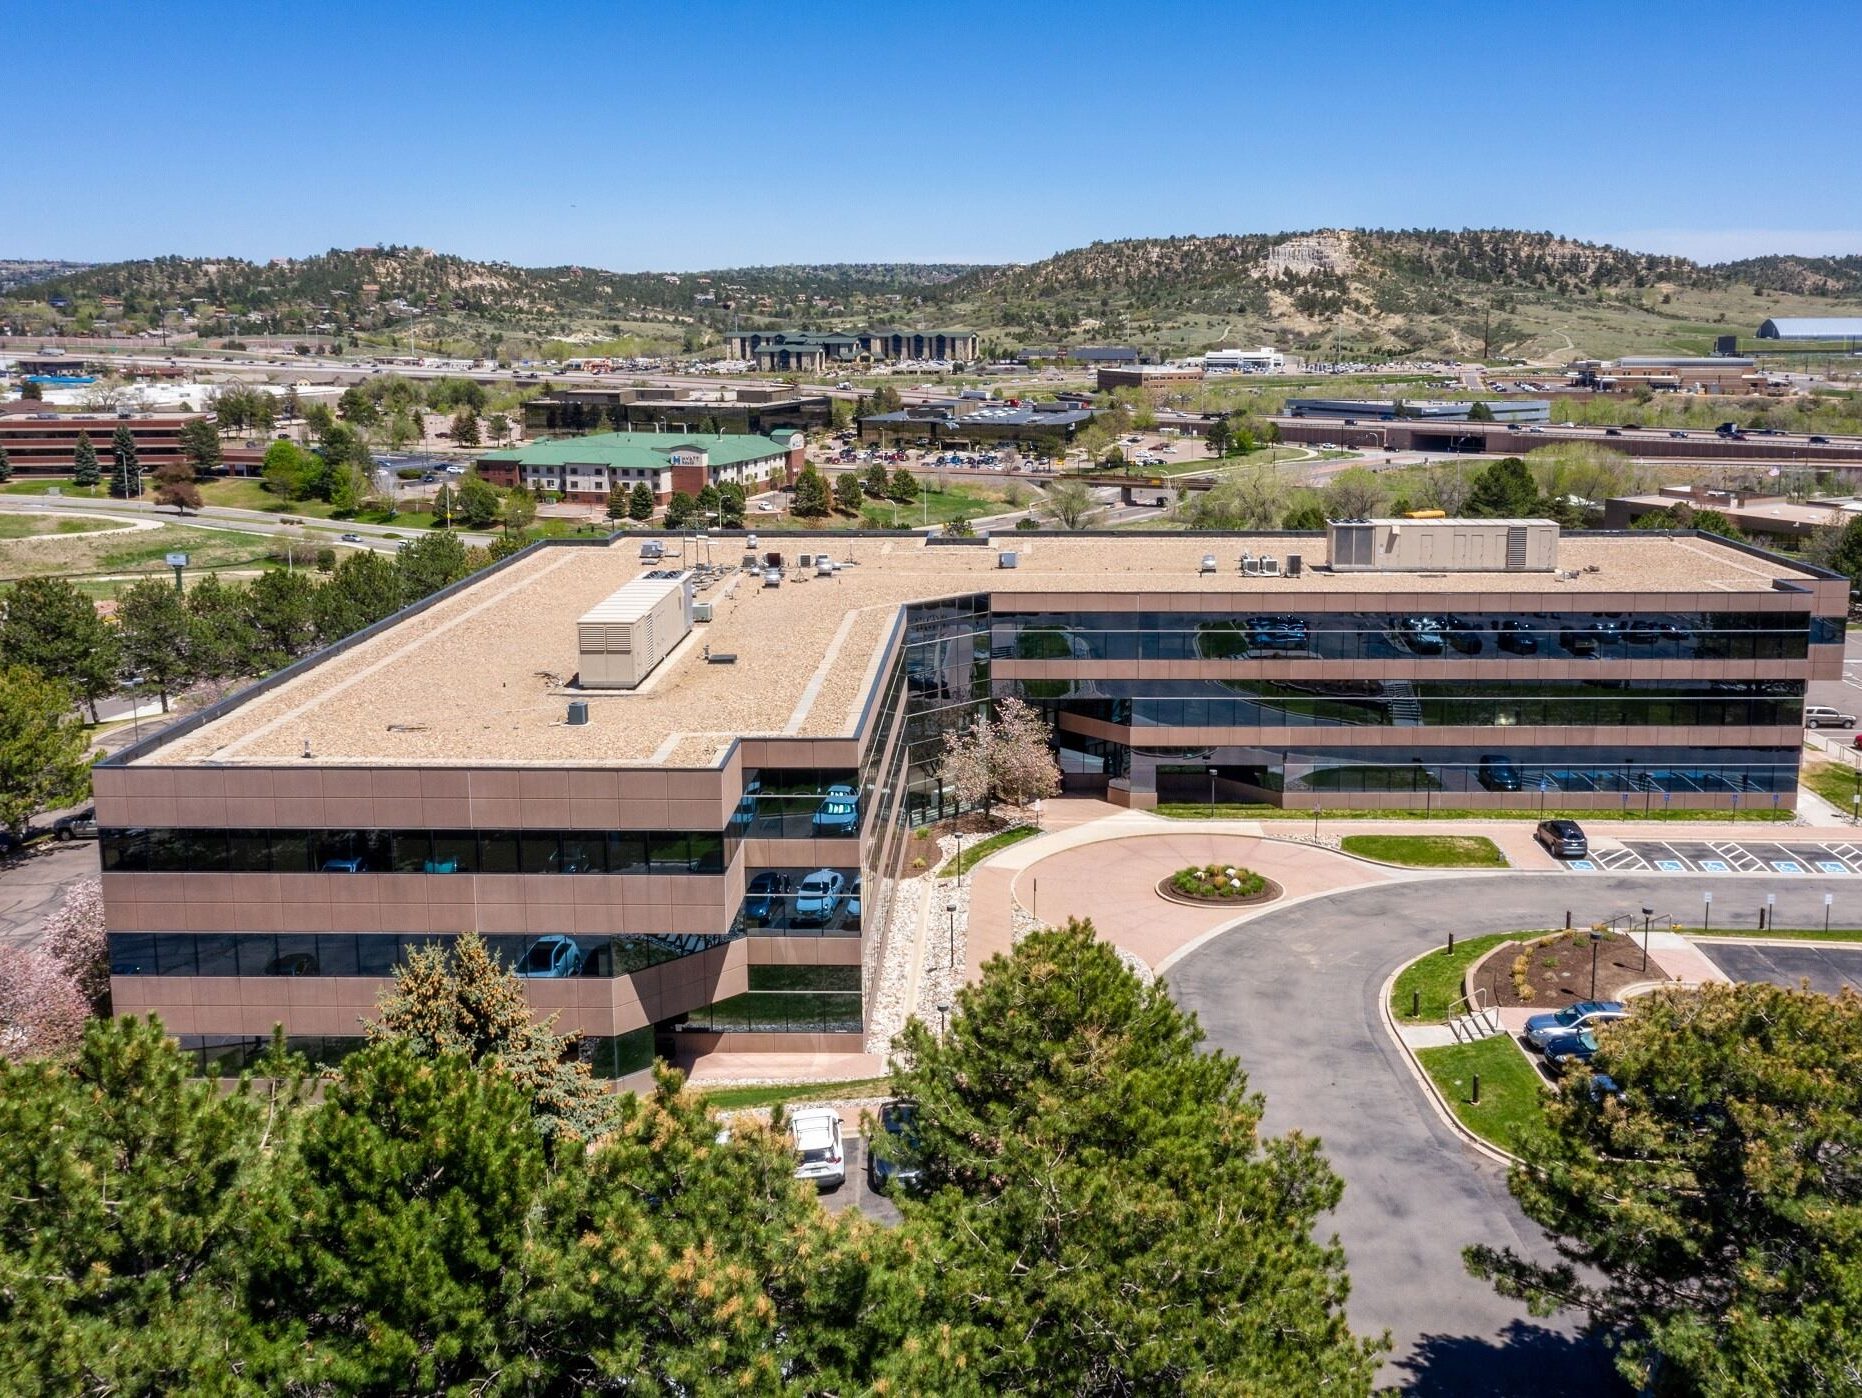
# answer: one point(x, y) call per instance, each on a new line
point(820, 1152)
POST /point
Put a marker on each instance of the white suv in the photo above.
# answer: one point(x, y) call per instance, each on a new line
point(1816, 716)
point(815, 1133)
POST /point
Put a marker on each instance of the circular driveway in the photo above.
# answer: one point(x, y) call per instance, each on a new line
point(1294, 994)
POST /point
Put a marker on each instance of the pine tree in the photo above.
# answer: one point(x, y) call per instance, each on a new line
point(6, 467)
point(811, 495)
point(153, 624)
point(47, 624)
point(848, 495)
point(903, 487)
point(878, 483)
point(85, 470)
point(617, 502)
point(126, 470)
point(1106, 1216)
point(464, 1001)
point(640, 502)
point(201, 442)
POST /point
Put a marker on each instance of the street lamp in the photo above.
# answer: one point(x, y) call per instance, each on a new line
point(1648, 915)
point(1212, 776)
point(951, 908)
point(1596, 937)
point(943, 1010)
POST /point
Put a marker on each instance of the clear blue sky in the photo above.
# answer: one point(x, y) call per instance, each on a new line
point(693, 135)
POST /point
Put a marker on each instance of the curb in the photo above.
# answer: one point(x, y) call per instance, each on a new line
point(1442, 1109)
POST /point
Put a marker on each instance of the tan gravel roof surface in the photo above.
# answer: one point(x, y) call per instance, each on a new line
point(479, 677)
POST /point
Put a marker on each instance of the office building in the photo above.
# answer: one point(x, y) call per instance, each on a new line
point(753, 409)
point(696, 845)
point(1420, 410)
point(1670, 373)
point(1265, 360)
point(584, 470)
point(980, 422)
point(44, 442)
point(1157, 380)
point(813, 352)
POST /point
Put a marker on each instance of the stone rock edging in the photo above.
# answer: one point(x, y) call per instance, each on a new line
point(1254, 900)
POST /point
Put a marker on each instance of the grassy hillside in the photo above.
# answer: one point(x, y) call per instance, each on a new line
point(1368, 294)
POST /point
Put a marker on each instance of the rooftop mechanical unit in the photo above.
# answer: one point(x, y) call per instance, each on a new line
point(1442, 545)
point(622, 638)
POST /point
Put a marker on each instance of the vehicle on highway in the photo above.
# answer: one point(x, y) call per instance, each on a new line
point(1819, 441)
point(819, 897)
point(1582, 1015)
point(551, 957)
point(1678, 434)
point(81, 825)
point(890, 1154)
point(815, 1134)
point(1820, 716)
point(838, 813)
point(1563, 839)
point(352, 538)
point(1561, 1050)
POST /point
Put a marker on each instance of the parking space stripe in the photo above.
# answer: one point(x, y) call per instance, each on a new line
point(1742, 859)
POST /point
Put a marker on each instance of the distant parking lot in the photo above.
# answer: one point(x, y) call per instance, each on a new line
point(1827, 969)
point(1729, 856)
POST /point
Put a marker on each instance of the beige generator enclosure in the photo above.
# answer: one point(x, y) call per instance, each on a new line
point(1443, 545)
point(624, 637)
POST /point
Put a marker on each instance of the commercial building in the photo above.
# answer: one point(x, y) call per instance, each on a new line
point(811, 352)
point(1423, 410)
point(1155, 379)
point(1265, 360)
point(1846, 328)
point(972, 422)
point(585, 470)
point(1769, 518)
point(743, 408)
point(708, 858)
point(45, 443)
point(1515, 439)
point(1669, 373)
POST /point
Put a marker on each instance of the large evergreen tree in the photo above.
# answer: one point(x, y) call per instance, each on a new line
point(201, 443)
point(48, 624)
point(463, 1000)
point(1504, 490)
point(6, 467)
point(640, 502)
point(811, 495)
point(153, 623)
point(85, 470)
point(126, 466)
point(42, 747)
point(1709, 1213)
point(1105, 1217)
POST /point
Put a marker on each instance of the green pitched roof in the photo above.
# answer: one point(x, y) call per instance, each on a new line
point(640, 449)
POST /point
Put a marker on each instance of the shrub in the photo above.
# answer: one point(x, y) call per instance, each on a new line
point(1218, 881)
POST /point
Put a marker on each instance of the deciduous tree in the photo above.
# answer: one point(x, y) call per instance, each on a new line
point(1070, 504)
point(1707, 1213)
point(478, 501)
point(47, 624)
point(42, 1010)
point(430, 563)
point(152, 622)
point(76, 936)
point(1007, 757)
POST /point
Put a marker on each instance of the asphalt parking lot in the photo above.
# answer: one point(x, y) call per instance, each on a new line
point(856, 1192)
point(1826, 969)
point(1729, 856)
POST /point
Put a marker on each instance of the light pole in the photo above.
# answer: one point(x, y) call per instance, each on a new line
point(1596, 937)
point(951, 908)
point(943, 1010)
point(1648, 915)
point(1212, 775)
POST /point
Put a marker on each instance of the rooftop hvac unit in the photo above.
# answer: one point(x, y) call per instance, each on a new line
point(1270, 567)
point(701, 611)
point(1008, 559)
point(624, 637)
point(578, 712)
point(1293, 565)
point(1208, 563)
point(824, 566)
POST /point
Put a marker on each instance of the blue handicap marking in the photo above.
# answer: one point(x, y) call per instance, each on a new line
point(1713, 866)
point(1830, 866)
point(1787, 866)
point(1670, 866)
point(1584, 864)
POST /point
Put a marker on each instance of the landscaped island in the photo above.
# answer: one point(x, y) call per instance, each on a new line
point(1219, 883)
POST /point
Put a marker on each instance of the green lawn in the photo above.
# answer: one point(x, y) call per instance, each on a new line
point(1788, 934)
point(933, 507)
point(1428, 851)
point(1437, 976)
point(1200, 810)
point(1512, 1105)
point(734, 1099)
point(1835, 782)
point(40, 485)
point(975, 852)
point(32, 526)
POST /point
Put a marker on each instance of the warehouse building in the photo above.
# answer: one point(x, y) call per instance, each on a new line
point(691, 839)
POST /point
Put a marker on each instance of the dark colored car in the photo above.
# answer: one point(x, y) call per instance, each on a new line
point(1463, 635)
point(1819, 441)
point(1564, 1049)
point(760, 897)
point(1580, 643)
point(1519, 638)
point(889, 1163)
point(1564, 839)
point(1499, 773)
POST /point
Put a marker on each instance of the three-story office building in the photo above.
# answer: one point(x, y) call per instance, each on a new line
point(683, 817)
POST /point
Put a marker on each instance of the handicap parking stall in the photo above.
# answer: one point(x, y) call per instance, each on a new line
point(1754, 855)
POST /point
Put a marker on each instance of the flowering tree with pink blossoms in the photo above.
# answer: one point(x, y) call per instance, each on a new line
point(42, 1011)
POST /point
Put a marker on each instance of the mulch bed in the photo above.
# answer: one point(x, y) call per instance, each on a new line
point(1168, 892)
point(1559, 970)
